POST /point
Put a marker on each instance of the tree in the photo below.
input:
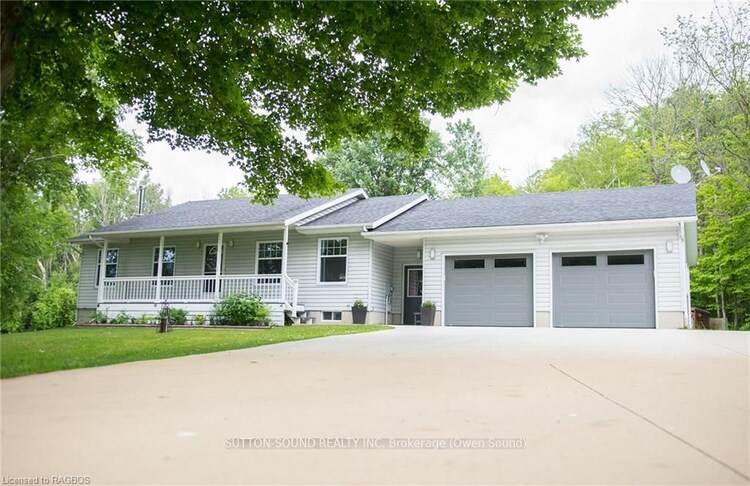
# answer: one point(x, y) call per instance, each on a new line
point(114, 198)
point(234, 192)
point(233, 77)
point(495, 185)
point(465, 163)
point(382, 170)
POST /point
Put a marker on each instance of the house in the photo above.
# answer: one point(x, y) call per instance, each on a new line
point(600, 258)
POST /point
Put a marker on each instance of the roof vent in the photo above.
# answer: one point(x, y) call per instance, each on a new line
point(141, 197)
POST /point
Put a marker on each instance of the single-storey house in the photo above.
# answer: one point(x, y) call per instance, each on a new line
point(598, 258)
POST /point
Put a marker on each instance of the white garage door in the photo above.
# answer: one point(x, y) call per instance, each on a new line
point(614, 289)
point(493, 290)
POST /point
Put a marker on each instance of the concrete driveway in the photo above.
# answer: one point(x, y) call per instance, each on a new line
point(591, 406)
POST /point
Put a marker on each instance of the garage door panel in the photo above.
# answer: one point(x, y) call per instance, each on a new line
point(489, 296)
point(604, 295)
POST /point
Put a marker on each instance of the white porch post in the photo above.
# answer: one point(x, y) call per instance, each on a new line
point(284, 246)
point(102, 272)
point(219, 256)
point(158, 268)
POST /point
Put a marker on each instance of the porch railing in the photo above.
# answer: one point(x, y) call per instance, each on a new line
point(199, 288)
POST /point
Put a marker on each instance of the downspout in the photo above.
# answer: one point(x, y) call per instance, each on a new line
point(684, 276)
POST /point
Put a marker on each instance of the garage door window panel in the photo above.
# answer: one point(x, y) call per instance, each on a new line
point(625, 260)
point(579, 261)
point(468, 264)
point(510, 262)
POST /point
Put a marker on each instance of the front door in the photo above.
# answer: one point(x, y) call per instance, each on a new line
point(412, 294)
point(209, 267)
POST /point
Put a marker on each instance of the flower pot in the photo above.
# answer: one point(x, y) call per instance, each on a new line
point(427, 316)
point(359, 315)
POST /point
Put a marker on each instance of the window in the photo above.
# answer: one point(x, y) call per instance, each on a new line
point(625, 259)
point(331, 316)
point(579, 261)
point(110, 270)
point(458, 264)
point(510, 262)
point(167, 263)
point(269, 257)
point(333, 254)
point(414, 282)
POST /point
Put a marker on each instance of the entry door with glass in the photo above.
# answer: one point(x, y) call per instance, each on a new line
point(210, 256)
point(412, 295)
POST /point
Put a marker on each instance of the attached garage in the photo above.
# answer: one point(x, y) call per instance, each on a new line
point(491, 290)
point(609, 289)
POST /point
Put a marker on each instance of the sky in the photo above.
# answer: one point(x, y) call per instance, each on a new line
point(522, 135)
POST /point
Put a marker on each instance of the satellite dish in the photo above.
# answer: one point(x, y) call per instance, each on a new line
point(680, 174)
point(705, 168)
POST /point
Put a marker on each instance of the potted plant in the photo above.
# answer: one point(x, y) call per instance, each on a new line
point(427, 316)
point(359, 312)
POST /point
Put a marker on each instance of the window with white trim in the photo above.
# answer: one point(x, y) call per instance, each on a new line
point(331, 316)
point(110, 269)
point(269, 257)
point(167, 264)
point(332, 255)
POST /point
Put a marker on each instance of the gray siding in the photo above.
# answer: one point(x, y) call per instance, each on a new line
point(135, 260)
point(86, 282)
point(303, 266)
point(401, 257)
point(382, 276)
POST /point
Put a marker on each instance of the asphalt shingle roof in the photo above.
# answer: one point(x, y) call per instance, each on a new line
point(652, 202)
point(365, 211)
point(218, 213)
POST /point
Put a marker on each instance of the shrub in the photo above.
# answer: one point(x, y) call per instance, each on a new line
point(55, 308)
point(358, 304)
point(121, 318)
point(241, 310)
point(177, 316)
point(199, 320)
point(98, 317)
point(428, 304)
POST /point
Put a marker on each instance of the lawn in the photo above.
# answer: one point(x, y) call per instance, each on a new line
point(68, 348)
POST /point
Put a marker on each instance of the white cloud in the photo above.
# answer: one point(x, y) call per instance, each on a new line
point(536, 125)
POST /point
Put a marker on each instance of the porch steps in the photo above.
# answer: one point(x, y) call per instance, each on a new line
point(299, 315)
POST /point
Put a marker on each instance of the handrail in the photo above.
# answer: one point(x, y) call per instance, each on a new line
point(200, 288)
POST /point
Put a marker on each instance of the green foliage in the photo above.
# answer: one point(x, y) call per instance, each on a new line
point(177, 316)
point(241, 310)
point(329, 69)
point(382, 170)
point(358, 304)
point(55, 308)
point(455, 168)
point(199, 320)
point(235, 192)
point(495, 185)
point(465, 160)
point(428, 304)
point(98, 317)
point(122, 317)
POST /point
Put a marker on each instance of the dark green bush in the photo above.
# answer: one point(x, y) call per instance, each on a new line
point(177, 316)
point(55, 308)
point(98, 317)
point(241, 310)
point(121, 318)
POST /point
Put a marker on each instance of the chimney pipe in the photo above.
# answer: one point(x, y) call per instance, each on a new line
point(141, 197)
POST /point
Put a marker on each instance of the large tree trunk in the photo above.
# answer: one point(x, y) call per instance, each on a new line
point(11, 15)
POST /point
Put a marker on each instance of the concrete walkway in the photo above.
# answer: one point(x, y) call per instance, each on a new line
point(592, 406)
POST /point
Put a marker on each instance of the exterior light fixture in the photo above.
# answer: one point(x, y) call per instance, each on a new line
point(670, 246)
point(419, 254)
point(197, 245)
point(542, 237)
point(432, 253)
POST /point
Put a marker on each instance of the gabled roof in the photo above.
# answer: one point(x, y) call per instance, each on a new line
point(634, 203)
point(367, 213)
point(222, 213)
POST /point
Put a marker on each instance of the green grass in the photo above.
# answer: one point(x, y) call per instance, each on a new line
point(68, 348)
